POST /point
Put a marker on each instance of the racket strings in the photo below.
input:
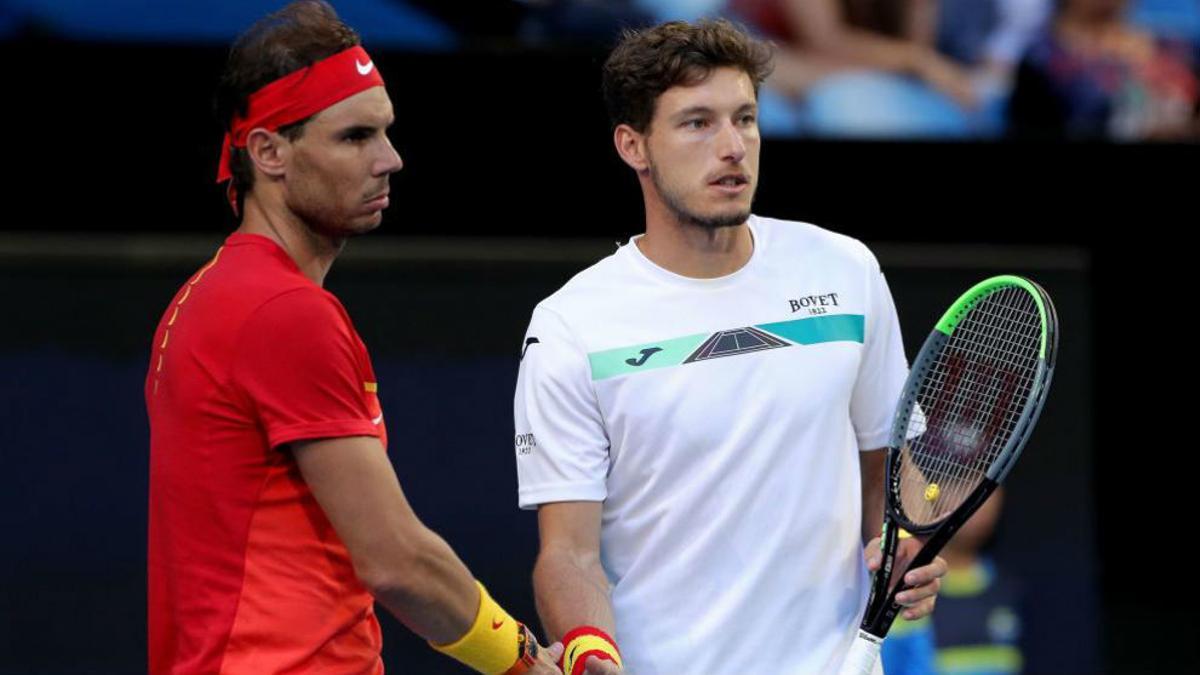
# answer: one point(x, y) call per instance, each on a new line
point(968, 380)
point(970, 403)
point(973, 376)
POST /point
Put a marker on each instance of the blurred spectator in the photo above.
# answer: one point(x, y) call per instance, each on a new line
point(990, 33)
point(989, 37)
point(895, 36)
point(861, 68)
point(1169, 19)
point(976, 627)
point(909, 648)
point(1093, 74)
point(977, 624)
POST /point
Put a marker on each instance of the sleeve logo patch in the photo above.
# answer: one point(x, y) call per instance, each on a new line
point(525, 443)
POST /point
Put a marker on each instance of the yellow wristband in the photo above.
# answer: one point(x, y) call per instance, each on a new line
point(491, 646)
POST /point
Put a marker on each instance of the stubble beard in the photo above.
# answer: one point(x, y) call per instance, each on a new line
point(324, 221)
point(677, 208)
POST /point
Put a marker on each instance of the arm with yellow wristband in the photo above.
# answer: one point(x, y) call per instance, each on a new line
point(572, 590)
point(497, 644)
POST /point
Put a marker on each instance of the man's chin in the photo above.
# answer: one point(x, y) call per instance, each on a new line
point(370, 223)
point(353, 227)
point(363, 224)
point(718, 220)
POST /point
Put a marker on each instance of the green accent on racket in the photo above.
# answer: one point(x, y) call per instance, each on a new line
point(958, 310)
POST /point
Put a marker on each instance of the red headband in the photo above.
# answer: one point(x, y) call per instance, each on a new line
point(299, 95)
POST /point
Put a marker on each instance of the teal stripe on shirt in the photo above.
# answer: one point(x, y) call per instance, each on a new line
point(834, 328)
point(673, 352)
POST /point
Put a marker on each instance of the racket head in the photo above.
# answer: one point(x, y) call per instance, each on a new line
point(972, 396)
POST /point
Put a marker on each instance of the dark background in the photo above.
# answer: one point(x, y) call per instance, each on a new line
point(511, 186)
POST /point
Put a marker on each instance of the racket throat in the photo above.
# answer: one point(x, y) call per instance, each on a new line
point(883, 620)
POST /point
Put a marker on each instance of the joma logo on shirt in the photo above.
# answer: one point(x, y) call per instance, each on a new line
point(645, 354)
point(525, 443)
point(815, 304)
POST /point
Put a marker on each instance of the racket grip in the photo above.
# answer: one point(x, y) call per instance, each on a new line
point(863, 655)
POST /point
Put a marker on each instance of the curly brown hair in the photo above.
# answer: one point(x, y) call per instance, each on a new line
point(292, 38)
point(647, 62)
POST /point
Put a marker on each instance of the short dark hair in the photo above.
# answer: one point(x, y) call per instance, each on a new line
point(292, 38)
point(647, 62)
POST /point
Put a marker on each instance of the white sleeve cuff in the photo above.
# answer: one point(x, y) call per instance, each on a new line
point(578, 491)
point(876, 440)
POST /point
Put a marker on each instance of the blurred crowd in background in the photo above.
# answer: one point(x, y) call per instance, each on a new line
point(1122, 70)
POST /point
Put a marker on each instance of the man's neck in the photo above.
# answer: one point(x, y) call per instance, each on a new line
point(313, 253)
point(695, 251)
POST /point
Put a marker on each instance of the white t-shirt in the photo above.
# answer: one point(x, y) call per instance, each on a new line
point(718, 420)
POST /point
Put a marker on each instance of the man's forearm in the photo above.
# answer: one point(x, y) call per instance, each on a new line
point(871, 464)
point(872, 517)
point(430, 591)
point(571, 590)
point(405, 565)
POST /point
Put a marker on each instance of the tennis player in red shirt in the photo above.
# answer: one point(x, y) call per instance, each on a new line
point(276, 519)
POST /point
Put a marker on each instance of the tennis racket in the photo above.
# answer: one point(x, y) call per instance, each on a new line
point(971, 399)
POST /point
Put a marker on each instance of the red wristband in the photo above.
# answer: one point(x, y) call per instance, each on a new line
point(582, 642)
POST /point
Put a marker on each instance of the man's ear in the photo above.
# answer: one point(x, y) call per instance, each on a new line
point(269, 151)
point(631, 146)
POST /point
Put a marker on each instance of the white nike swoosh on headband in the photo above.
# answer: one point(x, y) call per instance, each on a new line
point(377, 420)
point(364, 68)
